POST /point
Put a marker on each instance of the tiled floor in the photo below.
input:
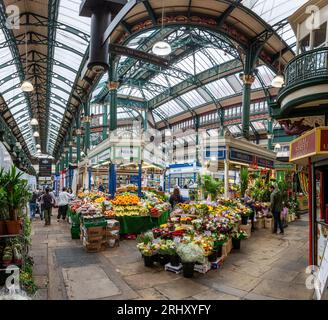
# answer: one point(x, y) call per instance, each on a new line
point(267, 267)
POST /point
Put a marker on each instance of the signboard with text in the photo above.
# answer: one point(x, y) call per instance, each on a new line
point(45, 168)
point(314, 142)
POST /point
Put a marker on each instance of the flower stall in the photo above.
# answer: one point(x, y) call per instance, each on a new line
point(197, 237)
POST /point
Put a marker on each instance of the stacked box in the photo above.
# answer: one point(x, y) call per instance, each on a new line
point(112, 233)
point(268, 223)
point(92, 238)
point(227, 247)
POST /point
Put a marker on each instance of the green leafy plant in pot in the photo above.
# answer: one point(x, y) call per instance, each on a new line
point(190, 253)
point(237, 236)
point(219, 240)
point(16, 197)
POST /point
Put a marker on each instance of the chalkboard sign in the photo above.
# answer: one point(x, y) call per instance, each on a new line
point(45, 168)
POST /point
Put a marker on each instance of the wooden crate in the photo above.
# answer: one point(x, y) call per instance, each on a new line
point(95, 231)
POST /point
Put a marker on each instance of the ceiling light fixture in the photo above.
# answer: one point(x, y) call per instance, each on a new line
point(34, 122)
point(27, 85)
point(36, 134)
point(38, 146)
point(278, 81)
point(162, 48)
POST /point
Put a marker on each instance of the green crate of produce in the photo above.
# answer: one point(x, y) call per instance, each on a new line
point(75, 232)
point(97, 223)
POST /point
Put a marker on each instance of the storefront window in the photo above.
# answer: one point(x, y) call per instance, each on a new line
point(320, 36)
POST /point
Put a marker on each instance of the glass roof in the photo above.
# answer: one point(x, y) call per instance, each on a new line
point(69, 53)
point(71, 45)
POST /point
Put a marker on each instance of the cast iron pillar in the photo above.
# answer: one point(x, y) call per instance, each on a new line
point(78, 133)
point(248, 80)
point(86, 121)
point(105, 120)
point(197, 138)
point(101, 13)
point(270, 134)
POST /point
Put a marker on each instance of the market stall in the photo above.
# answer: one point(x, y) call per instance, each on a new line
point(197, 237)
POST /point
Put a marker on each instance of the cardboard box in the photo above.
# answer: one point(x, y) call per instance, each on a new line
point(203, 268)
point(227, 247)
point(95, 231)
point(268, 223)
point(259, 223)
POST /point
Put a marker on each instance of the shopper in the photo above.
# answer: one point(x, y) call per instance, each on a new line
point(249, 203)
point(47, 203)
point(32, 204)
point(276, 208)
point(63, 200)
point(176, 197)
point(101, 187)
point(40, 204)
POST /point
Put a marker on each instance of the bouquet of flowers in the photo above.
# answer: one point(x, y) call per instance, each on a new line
point(191, 252)
point(148, 249)
point(239, 235)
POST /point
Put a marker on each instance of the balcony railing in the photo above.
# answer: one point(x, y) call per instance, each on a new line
point(309, 65)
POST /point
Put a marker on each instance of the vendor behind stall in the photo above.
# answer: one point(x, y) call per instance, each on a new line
point(176, 197)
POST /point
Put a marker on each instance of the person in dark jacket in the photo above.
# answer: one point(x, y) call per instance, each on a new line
point(276, 208)
point(176, 197)
point(32, 204)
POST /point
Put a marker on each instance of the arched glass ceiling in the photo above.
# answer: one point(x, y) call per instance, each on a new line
point(71, 54)
point(11, 93)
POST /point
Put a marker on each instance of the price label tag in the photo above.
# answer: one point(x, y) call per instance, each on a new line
point(208, 233)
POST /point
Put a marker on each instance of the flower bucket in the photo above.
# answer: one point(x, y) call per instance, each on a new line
point(244, 220)
point(219, 251)
point(175, 260)
point(164, 259)
point(188, 269)
point(213, 257)
point(3, 228)
point(148, 261)
point(236, 243)
point(13, 226)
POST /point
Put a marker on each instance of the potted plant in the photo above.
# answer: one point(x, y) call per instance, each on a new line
point(7, 256)
point(219, 240)
point(16, 197)
point(189, 254)
point(245, 213)
point(148, 250)
point(171, 252)
point(237, 236)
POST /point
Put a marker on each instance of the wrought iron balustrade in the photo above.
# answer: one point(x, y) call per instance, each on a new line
point(309, 65)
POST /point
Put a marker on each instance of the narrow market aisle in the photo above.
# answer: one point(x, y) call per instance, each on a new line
point(267, 267)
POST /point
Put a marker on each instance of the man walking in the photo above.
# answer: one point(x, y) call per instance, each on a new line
point(32, 204)
point(276, 208)
point(47, 202)
point(63, 200)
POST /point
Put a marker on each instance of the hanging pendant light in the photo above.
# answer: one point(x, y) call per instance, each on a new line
point(36, 134)
point(278, 81)
point(38, 146)
point(26, 85)
point(162, 48)
point(34, 122)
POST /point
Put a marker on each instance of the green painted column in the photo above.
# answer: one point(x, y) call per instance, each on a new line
point(62, 164)
point(270, 134)
point(66, 159)
point(78, 138)
point(112, 87)
point(248, 80)
point(145, 120)
point(105, 121)
point(57, 168)
point(86, 120)
point(221, 116)
point(197, 138)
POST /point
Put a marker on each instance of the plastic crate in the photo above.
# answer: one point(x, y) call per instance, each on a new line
point(75, 232)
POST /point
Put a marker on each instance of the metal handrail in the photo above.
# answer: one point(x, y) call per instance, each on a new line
point(309, 65)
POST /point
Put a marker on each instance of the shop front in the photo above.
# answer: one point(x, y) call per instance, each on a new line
point(310, 151)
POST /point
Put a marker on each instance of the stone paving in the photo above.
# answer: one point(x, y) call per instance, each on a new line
point(267, 267)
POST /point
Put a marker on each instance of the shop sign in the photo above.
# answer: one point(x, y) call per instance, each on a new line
point(314, 142)
point(127, 153)
point(105, 155)
point(219, 153)
point(94, 160)
point(282, 166)
point(237, 155)
point(45, 168)
point(265, 163)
